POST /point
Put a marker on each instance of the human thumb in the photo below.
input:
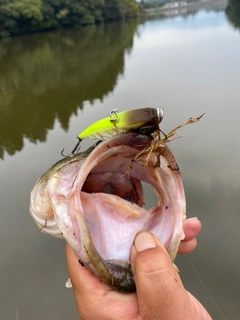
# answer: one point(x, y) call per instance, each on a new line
point(161, 294)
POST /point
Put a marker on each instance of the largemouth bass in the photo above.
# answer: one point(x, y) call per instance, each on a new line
point(95, 200)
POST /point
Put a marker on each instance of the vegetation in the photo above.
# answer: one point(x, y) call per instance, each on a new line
point(24, 16)
point(54, 74)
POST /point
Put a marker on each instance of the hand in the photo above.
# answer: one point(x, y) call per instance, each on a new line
point(160, 292)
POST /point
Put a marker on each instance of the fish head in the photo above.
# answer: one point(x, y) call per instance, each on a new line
point(95, 200)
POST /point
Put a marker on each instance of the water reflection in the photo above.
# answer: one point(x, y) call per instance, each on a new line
point(48, 76)
point(233, 13)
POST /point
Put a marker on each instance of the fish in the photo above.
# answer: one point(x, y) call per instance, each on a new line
point(95, 200)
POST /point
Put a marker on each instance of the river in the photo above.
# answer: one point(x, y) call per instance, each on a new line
point(52, 85)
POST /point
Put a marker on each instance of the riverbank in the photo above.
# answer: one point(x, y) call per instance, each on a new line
point(183, 7)
point(22, 17)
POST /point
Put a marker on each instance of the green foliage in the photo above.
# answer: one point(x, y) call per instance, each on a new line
point(22, 16)
point(62, 14)
point(53, 74)
point(27, 9)
point(132, 9)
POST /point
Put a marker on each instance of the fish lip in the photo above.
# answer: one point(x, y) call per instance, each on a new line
point(138, 140)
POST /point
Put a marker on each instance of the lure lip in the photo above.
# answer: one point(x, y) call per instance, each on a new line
point(160, 114)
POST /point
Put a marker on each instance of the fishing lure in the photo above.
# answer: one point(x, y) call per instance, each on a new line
point(144, 121)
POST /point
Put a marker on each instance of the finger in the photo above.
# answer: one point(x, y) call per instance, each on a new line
point(200, 310)
point(160, 291)
point(79, 275)
point(93, 297)
point(87, 288)
point(186, 247)
point(191, 228)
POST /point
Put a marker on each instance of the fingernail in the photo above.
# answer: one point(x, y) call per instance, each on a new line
point(144, 241)
point(193, 218)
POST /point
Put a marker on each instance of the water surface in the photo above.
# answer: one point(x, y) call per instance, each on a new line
point(53, 85)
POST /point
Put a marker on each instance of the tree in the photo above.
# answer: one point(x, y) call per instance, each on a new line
point(22, 16)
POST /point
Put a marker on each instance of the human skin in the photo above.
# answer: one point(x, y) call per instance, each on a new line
point(160, 292)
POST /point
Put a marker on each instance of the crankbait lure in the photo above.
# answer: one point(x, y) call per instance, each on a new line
point(144, 121)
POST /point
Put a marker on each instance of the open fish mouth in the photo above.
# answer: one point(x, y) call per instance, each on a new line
point(96, 203)
point(95, 200)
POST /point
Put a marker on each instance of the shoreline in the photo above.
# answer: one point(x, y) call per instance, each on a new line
point(185, 8)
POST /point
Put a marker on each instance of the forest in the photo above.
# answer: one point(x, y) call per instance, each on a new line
point(26, 16)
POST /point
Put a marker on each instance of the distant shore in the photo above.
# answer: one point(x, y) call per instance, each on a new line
point(22, 17)
point(181, 7)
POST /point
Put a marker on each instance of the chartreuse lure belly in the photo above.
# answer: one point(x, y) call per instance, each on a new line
point(145, 121)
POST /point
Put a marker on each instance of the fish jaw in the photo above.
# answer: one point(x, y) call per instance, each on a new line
point(97, 205)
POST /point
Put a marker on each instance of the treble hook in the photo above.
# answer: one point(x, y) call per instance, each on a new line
point(74, 151)
point(165, 136)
